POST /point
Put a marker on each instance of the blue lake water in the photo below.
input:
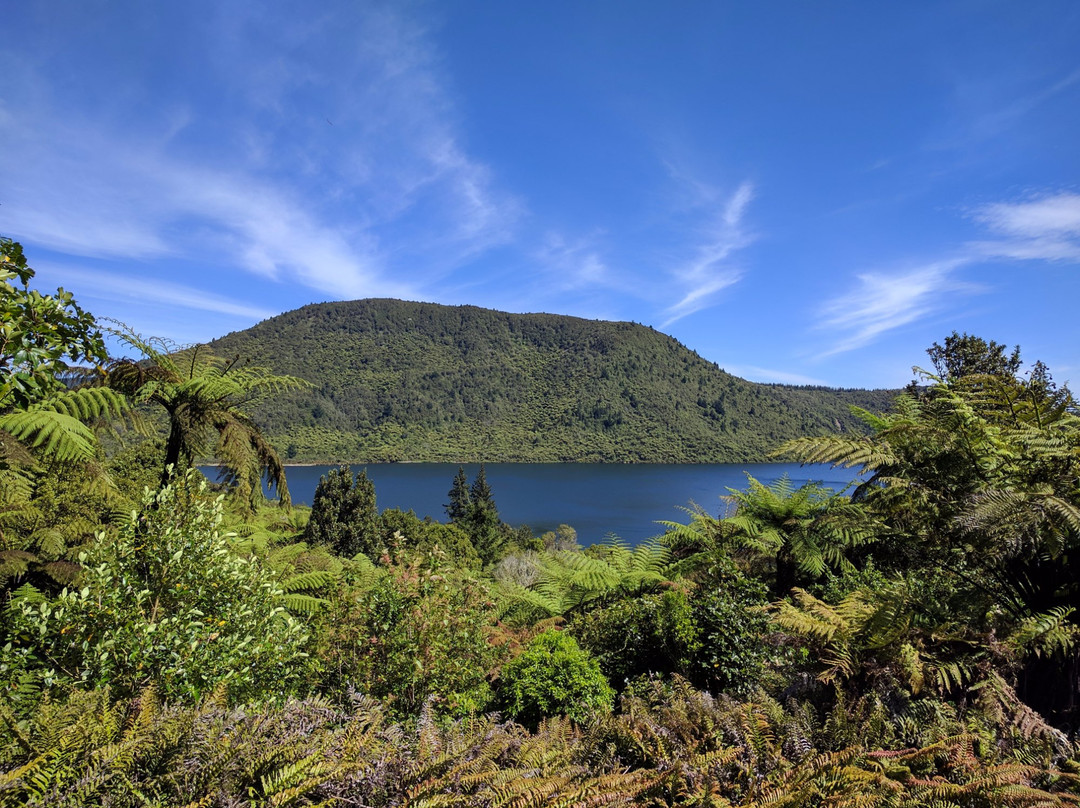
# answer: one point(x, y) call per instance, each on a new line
point(596, 499)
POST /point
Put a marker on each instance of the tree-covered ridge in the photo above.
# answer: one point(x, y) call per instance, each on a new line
point(395, 380)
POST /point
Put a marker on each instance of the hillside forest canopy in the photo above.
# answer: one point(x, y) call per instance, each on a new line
point(170, 641)
point(392, 380)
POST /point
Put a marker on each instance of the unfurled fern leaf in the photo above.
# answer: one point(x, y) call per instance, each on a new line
point(514, 596)
point(1046, 634)
point(56, 435)
point(86, 403)
point(300, 603)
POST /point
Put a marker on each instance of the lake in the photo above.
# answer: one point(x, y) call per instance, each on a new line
point(596, 499)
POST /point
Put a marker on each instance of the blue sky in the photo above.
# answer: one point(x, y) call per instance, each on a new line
point(800, 192)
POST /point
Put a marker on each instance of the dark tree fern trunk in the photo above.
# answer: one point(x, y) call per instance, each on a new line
point(173, 453)
point(785, 571)
point(1050, 685)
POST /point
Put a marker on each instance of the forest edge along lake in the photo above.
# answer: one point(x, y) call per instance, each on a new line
point(597, 499)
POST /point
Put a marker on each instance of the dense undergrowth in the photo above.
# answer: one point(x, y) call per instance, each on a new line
point(168, 642)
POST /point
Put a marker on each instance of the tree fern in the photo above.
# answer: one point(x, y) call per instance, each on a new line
point(206, 399)
point(567, 580)
point(523, 604)
point(834, 628)
point(296, 590)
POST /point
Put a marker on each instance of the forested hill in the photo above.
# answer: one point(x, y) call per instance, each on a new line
point(395, 380)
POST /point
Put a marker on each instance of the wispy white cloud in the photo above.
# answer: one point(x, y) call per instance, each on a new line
point(571, 265)
point(1046, 228)
point(884, 301)
point(710, 271)
point(1057, 215)
point(997, 120)
point(125, 289)
point(342, 168)
point(1043, 228)
point(770, 375)
point(130, 203)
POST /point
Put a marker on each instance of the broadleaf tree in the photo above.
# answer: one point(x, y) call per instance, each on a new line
point(344, 515)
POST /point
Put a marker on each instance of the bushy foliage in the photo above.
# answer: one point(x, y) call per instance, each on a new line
point(728, 608)
point(307, 575)
point(670, 746)
point(757, 752)
point(40, 538)
point(412, 631)
point(801, 532)
point(163, 602)
point(654, 633)
point(968, 355)
point(973, 480)
point(565, 581)
point(137, 468)
point(206, 400)
point(38, 333)
point(939, 618)
point(554, 676)
point(344, 515)
point(45, 409)
point(89, 750)
point(404, 530)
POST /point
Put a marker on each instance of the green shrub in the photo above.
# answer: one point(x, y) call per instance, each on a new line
point(409, 632)
point(652, 633)
point(344, 516)
point(554, 676)
point(164, 602)
point(138, 467)
point(406, 530)
point(732, 626)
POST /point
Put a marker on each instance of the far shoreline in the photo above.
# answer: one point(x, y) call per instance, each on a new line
point(313, 464)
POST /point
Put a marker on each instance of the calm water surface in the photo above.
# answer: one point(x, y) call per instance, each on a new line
point(596, 499)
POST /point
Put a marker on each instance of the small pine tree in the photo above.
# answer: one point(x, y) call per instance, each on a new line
point(483, 523)
point(480, 493)
point(329, 506)
point(458, 508)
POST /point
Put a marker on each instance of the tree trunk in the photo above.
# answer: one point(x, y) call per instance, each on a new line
point(173, 450)
point(785, 571)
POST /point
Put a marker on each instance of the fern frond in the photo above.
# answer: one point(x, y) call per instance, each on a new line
point(839, 450)
point(306, 581)
point(57, 435)
point(514, 594)
point(1048, 633)
point(86, 403)
point(303, 604)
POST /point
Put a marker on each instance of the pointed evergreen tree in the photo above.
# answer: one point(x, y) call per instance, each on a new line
point(458, 508)
point(480, 493)
point(485, 528)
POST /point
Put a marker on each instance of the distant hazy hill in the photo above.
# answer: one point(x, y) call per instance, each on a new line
point(418, 381)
